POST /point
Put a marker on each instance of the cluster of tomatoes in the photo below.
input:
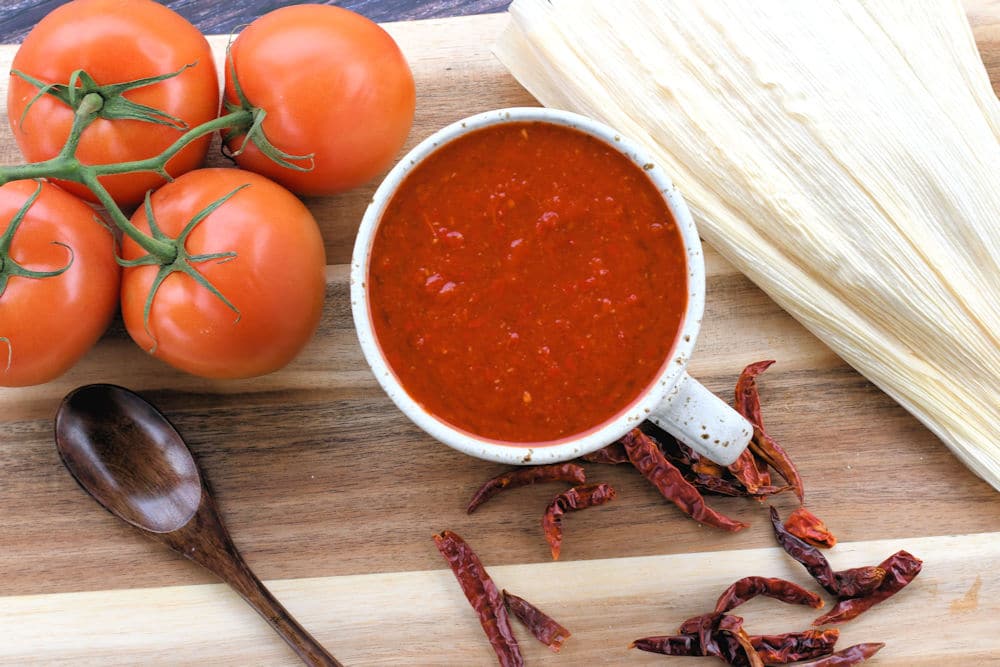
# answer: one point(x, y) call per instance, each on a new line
point(246, 291)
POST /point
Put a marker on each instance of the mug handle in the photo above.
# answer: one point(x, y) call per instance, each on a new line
point(703, 421)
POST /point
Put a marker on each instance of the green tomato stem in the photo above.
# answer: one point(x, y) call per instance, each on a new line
point(57, 167)
point(85, 114)
point(10, 268)
point(8, 236)
point(165, 251)
point(158, 163)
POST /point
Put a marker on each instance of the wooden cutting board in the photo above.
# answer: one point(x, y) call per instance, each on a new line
point(333, 496)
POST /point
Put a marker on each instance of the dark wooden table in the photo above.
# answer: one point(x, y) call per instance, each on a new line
point(214, 17)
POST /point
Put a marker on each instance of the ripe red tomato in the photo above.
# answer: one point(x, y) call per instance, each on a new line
point(333, 84)
point(115, 41)
point(47, 324)
point(277, 281)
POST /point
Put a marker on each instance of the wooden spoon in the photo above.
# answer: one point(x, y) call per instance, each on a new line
point(125, 454)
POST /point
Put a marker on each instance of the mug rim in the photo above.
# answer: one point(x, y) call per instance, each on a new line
point(633, 414)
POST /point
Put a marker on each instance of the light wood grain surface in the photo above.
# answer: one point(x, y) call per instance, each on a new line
point(333, 495)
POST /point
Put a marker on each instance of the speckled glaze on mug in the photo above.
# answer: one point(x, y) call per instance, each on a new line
point(674, 401)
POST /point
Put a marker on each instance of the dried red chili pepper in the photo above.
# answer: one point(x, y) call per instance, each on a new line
point(772, 649)
point(748, 588)
point(483, 595)
point(747, 399)
point(716, 485)
point(750, 470)
point(613, 454)
point(650, 461)
point(855, 582)
point(763, 445)
point(858, 581)
point(817, 565)
point(729, 648)
point(794, 646)
point(707, 468)
point(684, 645)
point(674, 450)
point(711, 477)
point(806, 554)
point(900, 569)
point(543, 627)
point(699, 471)
point(721, 486)
point(706, 475)
point(852, 655)
point(558, 472)
point(700, 624)
point(767, 449)
point(704, 628)
point(734, 626)
point(765, 491)
point(747, 470)
point(809, 528)
point(576, 498)
point(721, 635)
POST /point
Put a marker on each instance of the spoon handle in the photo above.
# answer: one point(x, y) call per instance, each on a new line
point(205, 540)
point(251, 589)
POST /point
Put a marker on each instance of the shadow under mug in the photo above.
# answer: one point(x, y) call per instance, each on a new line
point(674, 401)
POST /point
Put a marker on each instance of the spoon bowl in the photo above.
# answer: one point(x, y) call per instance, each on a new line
point(132, 461)
point(126, 455)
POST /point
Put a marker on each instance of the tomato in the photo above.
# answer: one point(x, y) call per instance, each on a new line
point(276, 282)
point(115, 41)
point(47, 324)
point(333, 84)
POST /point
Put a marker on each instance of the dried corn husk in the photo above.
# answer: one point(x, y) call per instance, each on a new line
point(844, 155)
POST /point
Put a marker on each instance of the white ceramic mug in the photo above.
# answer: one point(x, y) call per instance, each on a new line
point(674, 401)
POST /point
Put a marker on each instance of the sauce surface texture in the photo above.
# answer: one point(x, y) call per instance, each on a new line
point(526, 282)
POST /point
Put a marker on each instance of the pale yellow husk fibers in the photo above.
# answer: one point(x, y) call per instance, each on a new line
point(844, 155)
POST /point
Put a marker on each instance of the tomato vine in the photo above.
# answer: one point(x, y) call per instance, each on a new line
point(91, 101)
point(123, 119)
